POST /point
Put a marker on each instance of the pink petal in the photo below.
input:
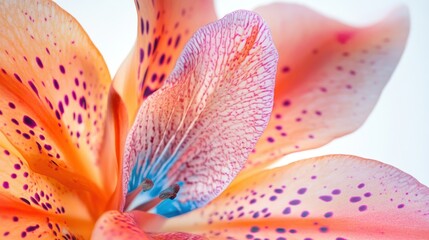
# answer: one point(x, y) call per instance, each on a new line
point(329, 77)
point(164, 26)
point(54, 87)
point(199, 128)
point(123, 226)
point(331, 197)
point(115, 225)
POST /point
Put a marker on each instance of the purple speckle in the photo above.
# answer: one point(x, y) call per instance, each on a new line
point(286, 211)
point(355, 199)
point(62, 69)
point(39, 62)
point(362, 208)
point(295, 202)
point(302, 191)
point(336, 191)
point(325, 198)
point(29, 121)
point(56, 85)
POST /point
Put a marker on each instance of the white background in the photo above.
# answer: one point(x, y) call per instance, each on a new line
point(397, 132)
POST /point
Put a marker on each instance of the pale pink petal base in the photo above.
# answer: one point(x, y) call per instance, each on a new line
point(332, 197)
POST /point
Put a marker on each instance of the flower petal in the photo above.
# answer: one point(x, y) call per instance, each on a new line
point(123, 226)
point(116, 225)
point(54, 87)
point(198, 129)
point(331, 197)
point(329, 76)
point(164, 27)
point(18, 224)
point(35, 198)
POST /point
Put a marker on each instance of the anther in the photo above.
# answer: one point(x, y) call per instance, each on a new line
point(146, 185)
point(170, 192)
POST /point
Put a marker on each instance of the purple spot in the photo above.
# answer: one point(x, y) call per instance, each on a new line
point(56, 85)
point(336, 191)
point(33, 87)
point(62, 69)
point(361, 185)
point(286, 69)
point(278, 190)
point(328, 214)
point(362, 208)
point(295, 202)
point(82, 102)
point(29, 121)
point(161, 59)
point(368, 194)
point(17, 166)
point(286, 103)
point(177, 41)
point(302, 191)
point(17, 77)
point(147, 92)
point(11, 105)
point(273, 198)
point(286, 211)
point(401, 205)
point(270, 139)
point(355, 199)
point(325, 198)
point(5, 185)
point(32, 228)
point(39, 62)
point(304, 214)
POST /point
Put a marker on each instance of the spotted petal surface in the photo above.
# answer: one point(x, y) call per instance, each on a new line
point(54, 86)
point(32, 204)
point(333, 197)
point(124, 226)
point(329, 77)
point(164, 26)
point(18, 224)
point(198, 129)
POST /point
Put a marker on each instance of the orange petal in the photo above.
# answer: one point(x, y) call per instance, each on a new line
point(329, 76)
point(112, 148)
point(18, 224)
point(331, 197)
point(35, 198)
point(211, 111)
point(54, 87)
point(164, 27)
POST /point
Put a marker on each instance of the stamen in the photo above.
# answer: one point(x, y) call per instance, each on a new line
point(146, 185)
point(170, 192)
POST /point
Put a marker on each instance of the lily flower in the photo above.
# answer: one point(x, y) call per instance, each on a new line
point(154, 153)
